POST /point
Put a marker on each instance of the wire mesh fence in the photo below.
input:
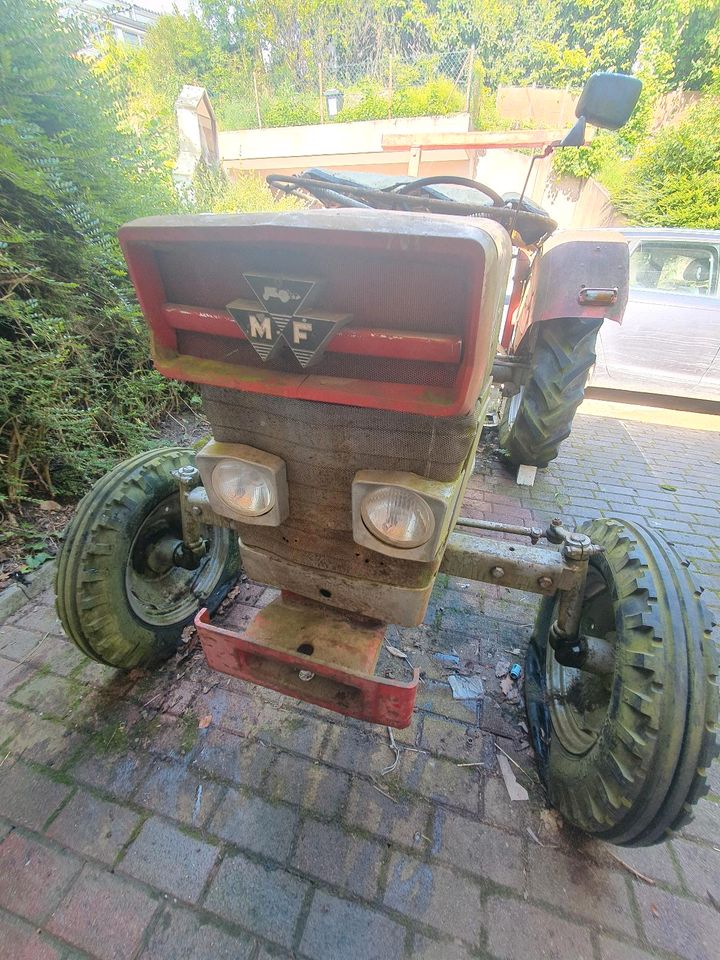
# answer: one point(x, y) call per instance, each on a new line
point(391, 70)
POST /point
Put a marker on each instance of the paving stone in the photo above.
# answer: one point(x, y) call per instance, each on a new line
point(182, 932)
point(20, 941)
point(682, 927)
point(44, 741)
point(33, 876)
point(172, 790)
point(117, 772)
point(499, 809)
point(330, 854)
point(400, 822)
point(439, 780)
point(701, 868)
point(478, 848)
point(614, 950)
point(705, 824)
point(103, 914)
point(13, 675)
point(434, 895)
point(654, 862)
point(170, 860)
point(27, 797)
point(93, 827)
point(18, 643)
point(426, 949)
point(463, 742)
point(307, 783)
point(579, 886)
point(232, 757)
point(436, 697)
point(264, 900)
point(356, 750)
point(255, 824)
point(51, 696)
point(336, 928)
point(517, 931)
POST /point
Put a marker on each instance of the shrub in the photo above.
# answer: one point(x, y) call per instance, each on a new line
point(674, 181)
point(76, 384)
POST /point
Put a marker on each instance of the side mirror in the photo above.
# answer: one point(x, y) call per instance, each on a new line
point(608, 100)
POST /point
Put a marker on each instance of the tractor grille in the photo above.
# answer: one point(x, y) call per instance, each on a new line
point(323, 446)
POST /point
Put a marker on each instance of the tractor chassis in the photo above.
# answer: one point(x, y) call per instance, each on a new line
point(326, 656)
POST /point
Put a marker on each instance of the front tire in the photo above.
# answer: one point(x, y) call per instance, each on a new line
point(114, 604)
point(537, 419)
point(624, 756)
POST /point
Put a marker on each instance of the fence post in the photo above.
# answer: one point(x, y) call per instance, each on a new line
point(322, 92)
point(390, 86)
point(468, 86)
point(257, 100)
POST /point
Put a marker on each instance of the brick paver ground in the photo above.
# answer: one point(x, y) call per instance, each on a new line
point(127, 831)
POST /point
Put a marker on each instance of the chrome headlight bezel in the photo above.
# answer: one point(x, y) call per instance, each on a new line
point(439, 498)
point(270, 469)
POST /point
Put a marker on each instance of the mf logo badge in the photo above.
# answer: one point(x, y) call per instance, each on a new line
point(279, 314)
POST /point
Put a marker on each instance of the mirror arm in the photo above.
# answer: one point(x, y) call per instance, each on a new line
point(575, 137)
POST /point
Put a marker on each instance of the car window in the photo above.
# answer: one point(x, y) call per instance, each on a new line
point(689, 268)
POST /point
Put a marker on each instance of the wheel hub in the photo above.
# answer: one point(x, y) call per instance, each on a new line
point(160, 590)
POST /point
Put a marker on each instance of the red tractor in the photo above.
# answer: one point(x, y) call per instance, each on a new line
point(345, 358)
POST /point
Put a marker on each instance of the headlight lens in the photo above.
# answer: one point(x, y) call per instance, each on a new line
point(243, 487)
point(398, 517)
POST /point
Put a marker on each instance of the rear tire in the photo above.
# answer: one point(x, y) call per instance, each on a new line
point(624, 756)
point(537, 419)
point(112, 604)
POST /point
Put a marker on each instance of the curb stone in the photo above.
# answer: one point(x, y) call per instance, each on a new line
point(16, 596)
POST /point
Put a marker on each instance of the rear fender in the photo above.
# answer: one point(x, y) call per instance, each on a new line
point(571, 263)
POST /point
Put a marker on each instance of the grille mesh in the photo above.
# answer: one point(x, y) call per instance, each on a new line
point(323, 446)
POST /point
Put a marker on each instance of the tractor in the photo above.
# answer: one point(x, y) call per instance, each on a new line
point(346, 355)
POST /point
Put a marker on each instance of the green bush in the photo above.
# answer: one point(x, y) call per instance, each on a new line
point(674, 181)
point(586, 161)
point(214, 192)
point(77, 387)
point(436, 97)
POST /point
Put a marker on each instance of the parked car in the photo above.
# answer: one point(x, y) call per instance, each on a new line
point(669, 340)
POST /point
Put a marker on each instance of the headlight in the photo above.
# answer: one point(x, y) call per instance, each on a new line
point(243, 483)
point(397, 516)
point(402, 514)
point(243, 488)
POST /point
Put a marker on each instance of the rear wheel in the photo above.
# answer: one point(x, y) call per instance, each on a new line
point(624, 755)
point(120, 597)
point(537, 419)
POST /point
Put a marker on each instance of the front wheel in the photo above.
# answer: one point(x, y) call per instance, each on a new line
point(624, 755)
point(119, 596)
point(539, 417)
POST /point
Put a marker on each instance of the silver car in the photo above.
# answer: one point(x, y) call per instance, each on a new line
point(669, 340)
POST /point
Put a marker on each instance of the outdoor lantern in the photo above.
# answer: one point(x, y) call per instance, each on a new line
point(334, 102)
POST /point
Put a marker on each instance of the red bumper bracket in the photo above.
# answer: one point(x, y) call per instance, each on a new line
point(314, 653)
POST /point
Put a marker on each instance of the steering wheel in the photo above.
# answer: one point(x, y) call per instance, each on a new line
point(414, 185)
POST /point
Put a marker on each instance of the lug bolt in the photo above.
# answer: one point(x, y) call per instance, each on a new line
point(497, 572)
point(545, 583)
